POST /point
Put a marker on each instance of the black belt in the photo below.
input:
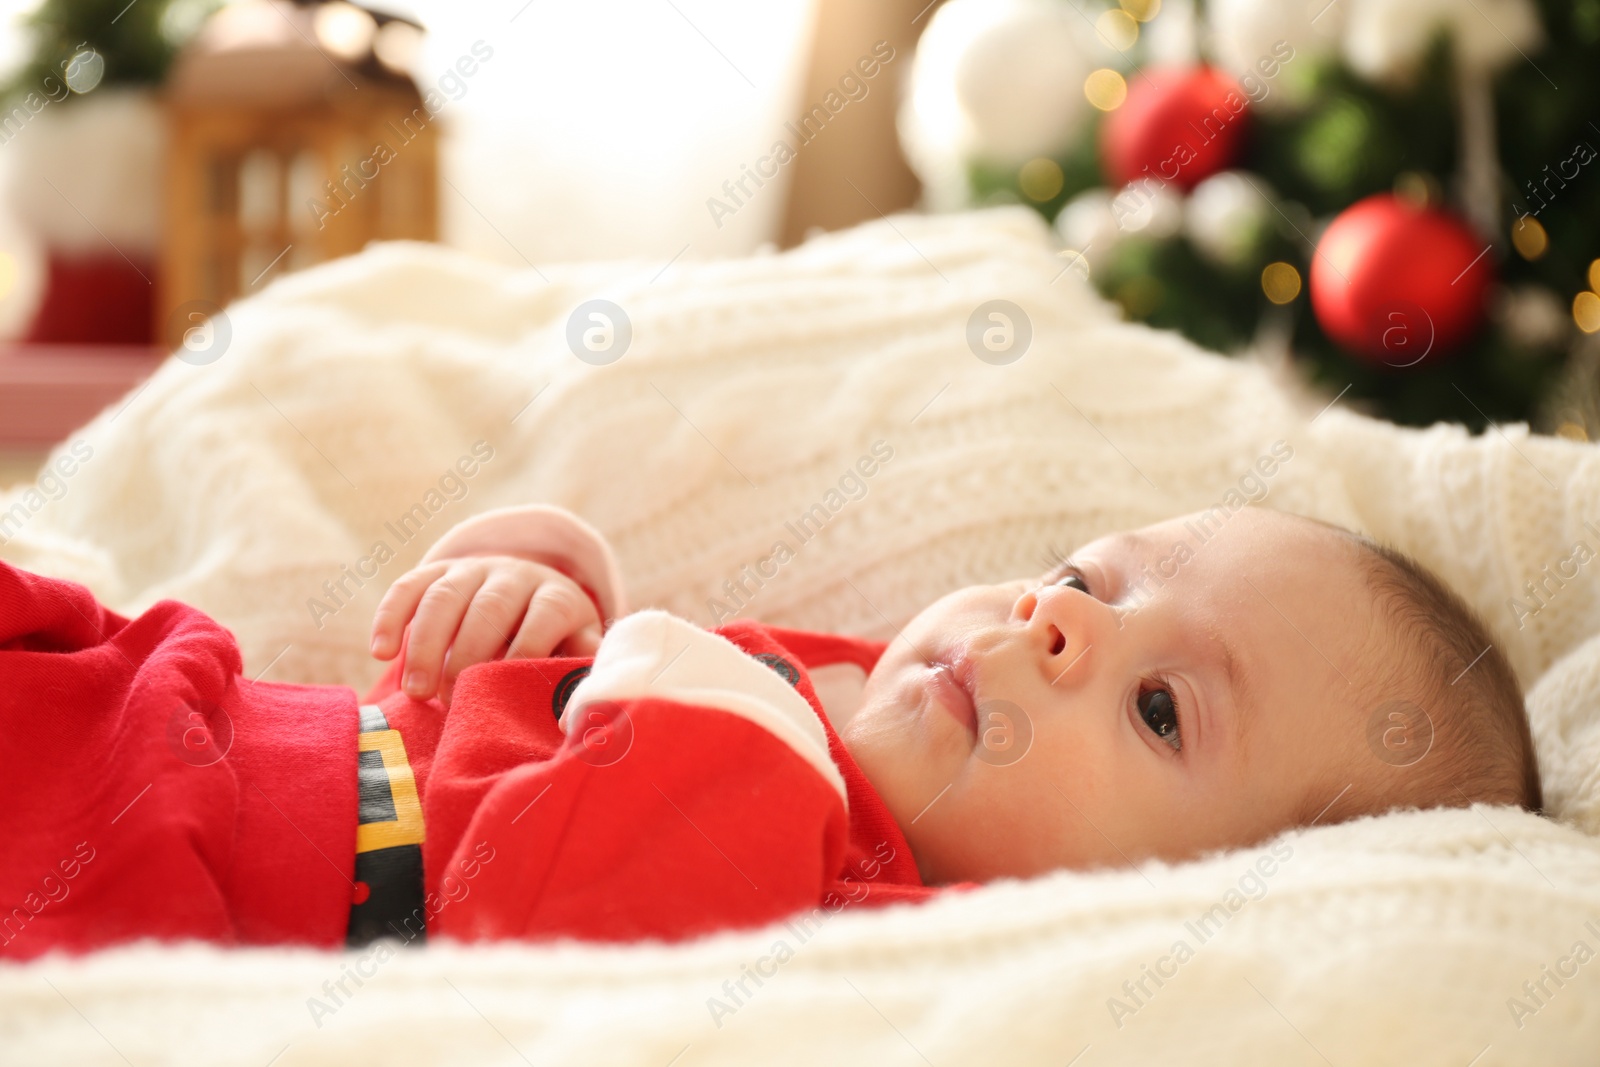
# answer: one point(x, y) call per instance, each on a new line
point(388, 898)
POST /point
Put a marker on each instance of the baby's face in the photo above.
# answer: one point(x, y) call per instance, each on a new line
point(1163, 693)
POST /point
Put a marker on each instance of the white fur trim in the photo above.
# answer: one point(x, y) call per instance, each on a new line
point(654, 654)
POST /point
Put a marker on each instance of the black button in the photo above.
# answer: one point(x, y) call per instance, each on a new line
point(563, 690)
point(785, 669)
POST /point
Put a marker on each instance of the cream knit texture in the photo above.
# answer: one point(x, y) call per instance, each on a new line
point(749, 392)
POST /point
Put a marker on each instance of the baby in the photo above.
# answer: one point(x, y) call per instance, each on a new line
point(1195, 685)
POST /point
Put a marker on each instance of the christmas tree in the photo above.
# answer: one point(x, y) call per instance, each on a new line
point(81, 44)
point(1402, 194)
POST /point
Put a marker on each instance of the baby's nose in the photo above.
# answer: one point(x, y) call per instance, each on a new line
point(1058, 624)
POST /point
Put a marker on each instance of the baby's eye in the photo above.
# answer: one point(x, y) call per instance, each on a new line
point(1072, 580)
point(1160, 712)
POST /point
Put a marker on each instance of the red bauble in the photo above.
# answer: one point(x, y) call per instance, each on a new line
point(1177, 125)
point(1398, 284)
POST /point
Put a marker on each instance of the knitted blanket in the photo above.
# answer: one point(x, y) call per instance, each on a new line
point(280, 481)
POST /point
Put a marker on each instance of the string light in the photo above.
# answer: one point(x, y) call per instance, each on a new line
point(1529, 238)
point(1280, 281)
point(1105, 89)
point(1118, 29)
point(1586, 311)
point(1417, 187)
point(397, 46)
point(1041, 179)
point(345, 30)
point(1076, 262)
point(1143, 10)
point(84, 70)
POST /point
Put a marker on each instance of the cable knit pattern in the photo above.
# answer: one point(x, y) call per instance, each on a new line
point(751, 387)
point(1489, 514)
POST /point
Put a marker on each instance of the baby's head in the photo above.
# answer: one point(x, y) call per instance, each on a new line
point(1202, 683)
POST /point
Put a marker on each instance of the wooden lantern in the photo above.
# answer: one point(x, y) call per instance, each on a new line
point(296, 137)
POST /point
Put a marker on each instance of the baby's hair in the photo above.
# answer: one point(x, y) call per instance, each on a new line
point(1481, 750)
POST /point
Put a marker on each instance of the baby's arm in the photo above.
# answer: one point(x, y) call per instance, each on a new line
point(694, 792)
point(525, 582)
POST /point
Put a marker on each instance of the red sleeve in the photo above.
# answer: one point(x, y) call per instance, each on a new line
point(693, 790)
point(656, 819)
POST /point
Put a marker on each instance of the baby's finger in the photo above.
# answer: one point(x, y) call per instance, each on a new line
point(557, 609)
point(586, 642)
point(489, 625)
point(434, 627)
point(397, 607)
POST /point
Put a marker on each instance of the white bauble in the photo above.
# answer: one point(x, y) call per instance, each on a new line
point(1097, 220)
point(1247, 34)
point(1227, 214)
point(1386, 39)
point(1173, 40)
point(932, 127)
point(1533, 316)
point(1148, 209)
point(995, 81)
point(1019, 81)
point(1086, 225)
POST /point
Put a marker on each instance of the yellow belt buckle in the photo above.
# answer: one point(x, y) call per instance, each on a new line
point(406, 827)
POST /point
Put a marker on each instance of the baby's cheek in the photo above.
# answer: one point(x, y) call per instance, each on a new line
point(956, 840)
point(949, 610)
point(893, 749)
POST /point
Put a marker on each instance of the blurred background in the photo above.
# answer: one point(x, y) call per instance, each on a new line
point(1395, 198)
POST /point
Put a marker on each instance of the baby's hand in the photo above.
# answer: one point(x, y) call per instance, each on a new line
point(476, 607)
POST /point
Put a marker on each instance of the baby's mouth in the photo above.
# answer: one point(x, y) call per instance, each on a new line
point(950, 683)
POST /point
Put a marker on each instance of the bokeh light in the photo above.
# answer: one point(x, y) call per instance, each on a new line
point(1118, 29)
point(1105, 89)
point(1417, 187)
point(398, 45)
point(1280, 281)
point(1074, 262)
point(1528, 235)
point(345, 30)
point(1586, 311)
point(1041, 179)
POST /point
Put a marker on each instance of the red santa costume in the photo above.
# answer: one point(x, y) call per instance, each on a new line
point(681, 781)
